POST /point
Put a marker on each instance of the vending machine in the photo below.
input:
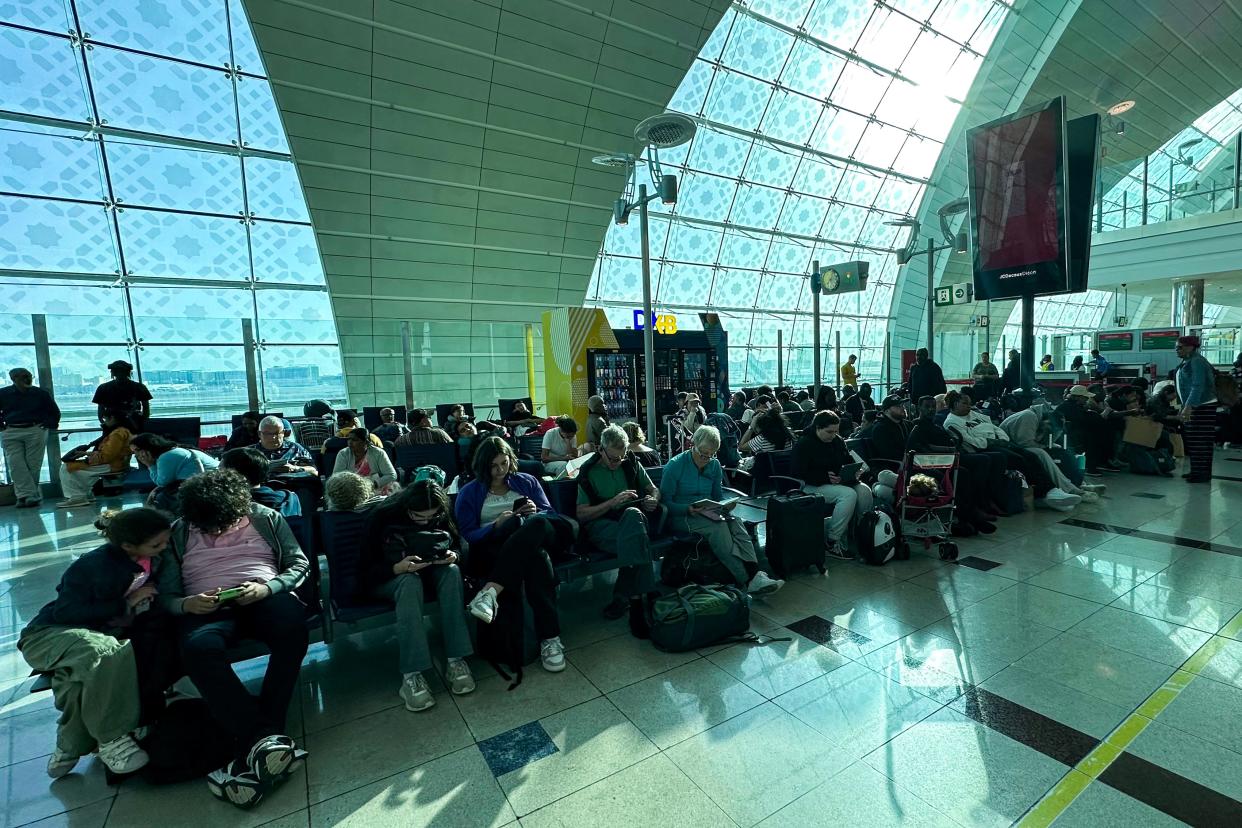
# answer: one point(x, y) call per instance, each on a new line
point(685, 361)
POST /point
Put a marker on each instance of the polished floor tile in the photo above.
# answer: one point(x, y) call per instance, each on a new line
point(860, 797)
point(1037, 692)
point(138, 803)
point(1041, 606)
point(915, 606)
point(777, 666)
point(992, 632)
point(1102, 588)
point(493, 708)
point(1147, 637)
point(1100, 806)
point(1098, 670)
point(1182, 608)
point(615, 662)
point(30, 795)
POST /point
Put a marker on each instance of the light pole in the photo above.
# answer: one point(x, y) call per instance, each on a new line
point(957, 242)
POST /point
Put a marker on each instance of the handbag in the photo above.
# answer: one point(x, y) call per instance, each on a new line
point(1142, 431)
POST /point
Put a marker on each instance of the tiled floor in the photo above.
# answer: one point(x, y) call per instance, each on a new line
point(916, 693)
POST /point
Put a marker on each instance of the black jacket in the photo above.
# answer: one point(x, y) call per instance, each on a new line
point(813, 459)
point(926, 380)
point(382, 545)
point(927, 433)
point(1012, 376)
point(91, 593)
point(888, 439)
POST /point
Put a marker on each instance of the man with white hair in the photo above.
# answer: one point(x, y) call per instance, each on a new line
point(616, 498)
point(283, 456)
point(389, 429)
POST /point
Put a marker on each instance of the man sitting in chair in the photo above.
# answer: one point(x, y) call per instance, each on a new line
point(520, 417)
point(284, 457)
point(615, 500)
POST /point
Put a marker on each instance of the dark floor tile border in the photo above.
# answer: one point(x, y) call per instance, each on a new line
point(975, 562)
point(516, 748)
point(825, 632)
point(1166, 791)
point(1207, 546)
point(1148, 495)
point(1223, 477)
point(1035, 730)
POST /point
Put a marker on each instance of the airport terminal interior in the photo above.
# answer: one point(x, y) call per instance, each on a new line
point(620, 413)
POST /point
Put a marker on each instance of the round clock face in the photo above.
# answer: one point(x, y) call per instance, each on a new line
point(832, 279)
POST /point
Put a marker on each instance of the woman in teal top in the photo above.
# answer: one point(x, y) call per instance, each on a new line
point(169, 465)
point(696, 475)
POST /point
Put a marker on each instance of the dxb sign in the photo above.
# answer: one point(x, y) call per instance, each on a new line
point(663, 323)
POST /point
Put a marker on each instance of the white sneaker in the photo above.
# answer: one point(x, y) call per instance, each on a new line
point(460, 680)
point(483, 607)
point(1060, 500)
point(60, 763)
point(122, 755)
point(552, 652)
point(761, 584)
point(415, 693)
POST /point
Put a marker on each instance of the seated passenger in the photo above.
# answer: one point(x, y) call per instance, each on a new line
point(520, 417)
point(891, 431)
point(1029, 429)
point(349, 492)
point(421, 431)
point(560, 445)
point(409, 550)
point(246, 434)
point(389, 430)
point(859, 404)
point(229, 573)
point(869, 420)
point(804, 400)
point(1087, 432)
point(284, 457)
point(638, 447)
point(787, 405)
point(597, 421)
point(817, 460)
point(1164, 408)
point(252, 465)
point(758, 405)
point(170, 465)
point(617, 506)
point(511, 528)
point(365, 460)
point(77, 638)
point(107, 455)
point(737, 406)
point(980, 476)
point(696, 475)
point(768, 431)
point(346, 422)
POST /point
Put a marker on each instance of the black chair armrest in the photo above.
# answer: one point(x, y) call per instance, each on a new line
point(784, 483)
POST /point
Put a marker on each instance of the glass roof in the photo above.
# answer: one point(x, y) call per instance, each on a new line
point(818, 120)
point(148, 205)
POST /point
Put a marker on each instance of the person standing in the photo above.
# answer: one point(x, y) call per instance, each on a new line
point(1196, 387)
point(27, 414)
point(849, 372)
point(1099, 364)
point(123, 395)
point(926, 378)
point(1012, 377)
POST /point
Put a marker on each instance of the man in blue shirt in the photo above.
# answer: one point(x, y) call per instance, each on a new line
point(283, 456)
point(1099, 364)
point(27, 414)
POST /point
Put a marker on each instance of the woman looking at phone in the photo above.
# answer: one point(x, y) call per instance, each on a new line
point(511, 528)
point(229, 574)
point(409, 544)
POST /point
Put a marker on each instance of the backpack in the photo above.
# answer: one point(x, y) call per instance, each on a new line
point(730, 436)
point(433, 473)
point(291, 506)
point(697, 616)
point(875, 539)
point(1144, 460)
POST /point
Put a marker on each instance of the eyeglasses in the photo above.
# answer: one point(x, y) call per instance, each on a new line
point(612, 459)
point(705, 455)
point(270, 433)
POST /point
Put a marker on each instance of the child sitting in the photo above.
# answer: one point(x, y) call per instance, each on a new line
point(76, 639)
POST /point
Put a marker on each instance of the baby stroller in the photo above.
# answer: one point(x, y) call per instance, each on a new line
point(926, 510)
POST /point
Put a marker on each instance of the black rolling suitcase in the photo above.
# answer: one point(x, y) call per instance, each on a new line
point(795, 532)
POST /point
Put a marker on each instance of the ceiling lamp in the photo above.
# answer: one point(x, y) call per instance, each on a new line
point(1120, 107)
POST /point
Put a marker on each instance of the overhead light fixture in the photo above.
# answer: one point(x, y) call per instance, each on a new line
point(666, 130)
point(1185, 147)
point(1120, 107)
point(906, 253)
point(953, 208)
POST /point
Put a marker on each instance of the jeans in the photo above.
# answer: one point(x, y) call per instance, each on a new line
point(279, 622)
point(729, 542)
point(519, 562)
point(94, 684)
point(23, 453)
point(407, 592)
point(77, 484)
point(846, 502)
point(627, 538)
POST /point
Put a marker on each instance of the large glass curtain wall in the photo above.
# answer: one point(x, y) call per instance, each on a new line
point(149, 206)
point(818, 121)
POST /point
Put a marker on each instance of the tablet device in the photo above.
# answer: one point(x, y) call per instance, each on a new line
point(849, 473)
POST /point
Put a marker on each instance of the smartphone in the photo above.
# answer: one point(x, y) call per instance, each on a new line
point(520, 502)
point(226, 595)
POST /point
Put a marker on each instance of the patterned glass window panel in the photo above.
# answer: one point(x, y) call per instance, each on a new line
point(190, 314)
point(15, 327)
point(260, 118)
point(959, 18)
point(898, 195)
point(918, 156)
point(788, 256)
point(175, 246)
point(620, 279)
point(790, 12)
point(154, 175)
point(19, 356)
point(860, 89)
point(756, 48)
point(887, 39)
point(59, 237)
point(684, 285)
point(718, 152)
point(716, 41)
point(187, 29)
point(812, 70)
point(778, 292)
point(803, 214)
point(743, 249)
point(770, 165)
point(931, 57)
point(49, 162)
point(208, 381)
point(285, 253)
point(274, 190)
point(735, 288)
point(704, 196)
point(163, 96)
point(300, 316)
point(880, 144)
point(245, 52)
point(838, 132)
point(49, 15)
point(936, 118)
point(42, 75)
point(737, 100)
point(860, 186)
point(692, 243)
point(691, 94)
point(842, 223)
point(75, 311)
point(920, 10)
point(875, 233)
point(982, 39)
point(757, 205)
point(819, 177)
point(839, 23)
point(293, 374)
point(961, 75)
point(791, 116)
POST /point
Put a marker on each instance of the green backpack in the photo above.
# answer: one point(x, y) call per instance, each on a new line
point(698, 616)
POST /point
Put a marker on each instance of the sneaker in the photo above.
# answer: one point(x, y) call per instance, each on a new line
point(60, 763)
point(75, 502)
point(236, 784)
point(272, 757)
point(483, 607)
point(122, 755)
point(415, 693)
point(28, 503)
point(1060, 497)
point(552, 653)
point(984, 527)
point(1092, 473)
point(835, 550)
point(761, 584)
point(460, 680)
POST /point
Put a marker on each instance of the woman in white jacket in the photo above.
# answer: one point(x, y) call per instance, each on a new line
point(365, 460)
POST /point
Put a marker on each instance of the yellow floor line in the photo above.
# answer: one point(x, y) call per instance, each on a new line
point(1077, 780)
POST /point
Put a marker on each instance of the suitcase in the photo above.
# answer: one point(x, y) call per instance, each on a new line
point(795, 530)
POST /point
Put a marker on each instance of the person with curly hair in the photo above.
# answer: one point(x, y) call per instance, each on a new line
point(229, 575)
point(349, 492)
point(409, 546)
